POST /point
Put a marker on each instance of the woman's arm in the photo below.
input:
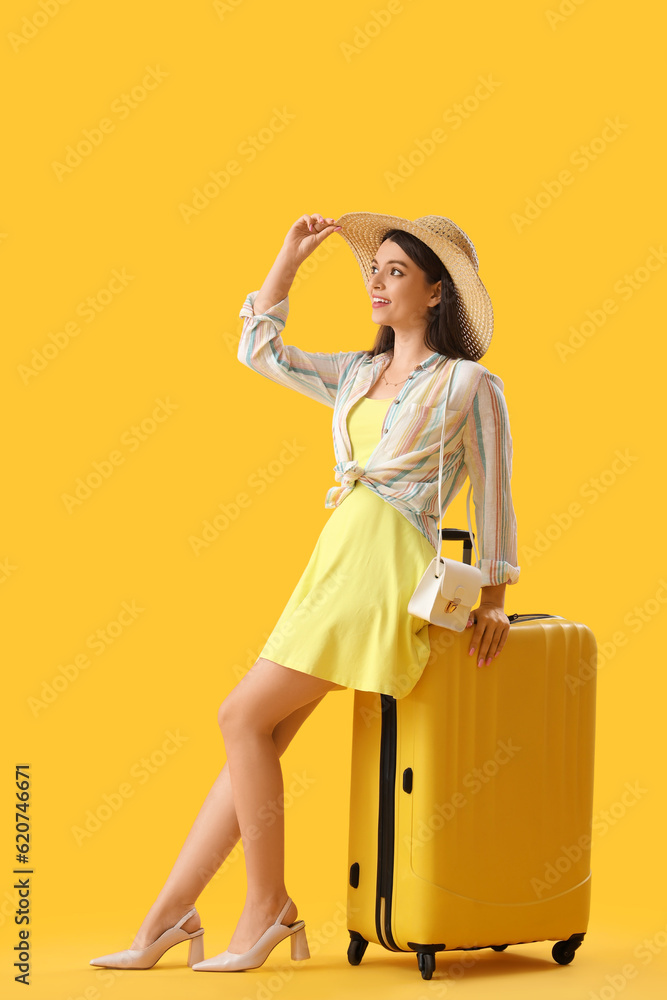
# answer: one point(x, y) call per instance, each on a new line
point(488, 457)
point(277, 282)
point(494, 595)
point(303, 236)
point(261, 348)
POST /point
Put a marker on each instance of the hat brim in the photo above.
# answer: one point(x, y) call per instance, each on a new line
point(363, 232)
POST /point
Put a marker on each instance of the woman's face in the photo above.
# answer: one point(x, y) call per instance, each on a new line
point(396, 278)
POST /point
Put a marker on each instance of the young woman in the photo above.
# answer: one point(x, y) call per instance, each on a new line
point(346, 623)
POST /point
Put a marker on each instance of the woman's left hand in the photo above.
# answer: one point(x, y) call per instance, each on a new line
point(491, 628)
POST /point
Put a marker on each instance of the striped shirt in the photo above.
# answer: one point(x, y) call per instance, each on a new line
point(403, 468)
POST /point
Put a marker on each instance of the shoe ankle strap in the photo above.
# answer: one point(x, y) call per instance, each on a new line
point(279, 918)
point(186, 917)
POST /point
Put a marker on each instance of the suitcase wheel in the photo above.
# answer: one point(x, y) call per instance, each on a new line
point(499, 947)
point(563, 951)
point(426, 963)
point(356, 948)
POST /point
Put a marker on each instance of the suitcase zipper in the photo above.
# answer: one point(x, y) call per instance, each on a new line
point(523, 618)
point(386, 826)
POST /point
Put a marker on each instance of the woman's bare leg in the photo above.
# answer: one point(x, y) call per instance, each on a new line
point(267, 694)
point(212, 837)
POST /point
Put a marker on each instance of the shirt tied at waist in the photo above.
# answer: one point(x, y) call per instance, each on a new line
point(347, 474)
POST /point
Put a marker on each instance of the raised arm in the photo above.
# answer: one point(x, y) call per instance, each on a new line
point(261, 348)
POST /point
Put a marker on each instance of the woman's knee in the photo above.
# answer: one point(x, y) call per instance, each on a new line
point(237, 715)
point(269, 694)
point(221, 714)
point(227, 714)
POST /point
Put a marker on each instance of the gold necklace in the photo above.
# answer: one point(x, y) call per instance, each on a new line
point(394, 383)
point(404, 380)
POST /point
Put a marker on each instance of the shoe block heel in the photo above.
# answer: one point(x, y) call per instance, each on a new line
point(299, 944)
point(196, 950)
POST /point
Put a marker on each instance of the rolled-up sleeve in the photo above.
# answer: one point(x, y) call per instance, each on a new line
point(488, 457)
point(261, 348)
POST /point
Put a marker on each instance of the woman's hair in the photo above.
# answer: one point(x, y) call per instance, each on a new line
point(443, 332)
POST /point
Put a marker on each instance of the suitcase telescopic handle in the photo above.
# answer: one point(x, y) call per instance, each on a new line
point(459, 535)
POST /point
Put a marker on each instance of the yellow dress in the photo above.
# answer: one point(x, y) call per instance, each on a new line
point(347, 619)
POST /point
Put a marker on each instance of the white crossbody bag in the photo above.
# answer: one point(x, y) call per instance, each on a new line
point(449, 588)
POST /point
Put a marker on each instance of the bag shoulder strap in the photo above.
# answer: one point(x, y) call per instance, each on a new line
point(440, 464)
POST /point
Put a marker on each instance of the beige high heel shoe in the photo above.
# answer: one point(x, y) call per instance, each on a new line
point(145, 958)
point(229, 961)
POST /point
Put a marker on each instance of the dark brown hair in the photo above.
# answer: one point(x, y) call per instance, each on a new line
point(443, 331)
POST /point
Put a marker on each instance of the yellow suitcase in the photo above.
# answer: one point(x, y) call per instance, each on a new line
point(471, 798)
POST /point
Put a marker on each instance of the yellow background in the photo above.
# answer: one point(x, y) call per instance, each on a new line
point(362, 89)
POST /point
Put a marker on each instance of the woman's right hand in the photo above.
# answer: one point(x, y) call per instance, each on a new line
point(306, 235)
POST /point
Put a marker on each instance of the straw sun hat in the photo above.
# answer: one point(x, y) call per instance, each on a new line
point(363, 231)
